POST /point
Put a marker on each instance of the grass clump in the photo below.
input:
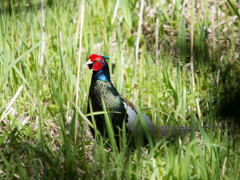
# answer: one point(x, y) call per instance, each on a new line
point(188, 73)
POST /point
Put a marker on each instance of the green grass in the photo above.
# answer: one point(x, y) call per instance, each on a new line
point(37, 134)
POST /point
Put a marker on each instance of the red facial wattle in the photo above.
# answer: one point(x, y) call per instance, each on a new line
point(96, 62)
point(97, 65)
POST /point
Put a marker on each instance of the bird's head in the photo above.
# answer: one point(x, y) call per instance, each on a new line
point(95, 62)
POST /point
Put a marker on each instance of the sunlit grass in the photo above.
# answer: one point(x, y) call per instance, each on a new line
point(37, 133)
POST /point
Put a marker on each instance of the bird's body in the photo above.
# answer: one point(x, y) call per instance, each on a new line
point(120, 109)
point(104, 92)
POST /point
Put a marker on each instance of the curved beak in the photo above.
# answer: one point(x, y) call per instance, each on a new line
point(89, 63)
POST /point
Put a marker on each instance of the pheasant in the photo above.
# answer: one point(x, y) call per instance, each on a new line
point(120, 109)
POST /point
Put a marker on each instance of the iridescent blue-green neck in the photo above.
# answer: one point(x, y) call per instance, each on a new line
point(103, 74)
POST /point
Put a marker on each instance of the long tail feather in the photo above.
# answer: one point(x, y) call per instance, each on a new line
point(170, 131)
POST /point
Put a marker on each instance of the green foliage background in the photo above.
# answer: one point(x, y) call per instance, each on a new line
point(37, 127)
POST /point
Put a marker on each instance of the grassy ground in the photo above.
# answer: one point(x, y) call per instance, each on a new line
point(186, 72)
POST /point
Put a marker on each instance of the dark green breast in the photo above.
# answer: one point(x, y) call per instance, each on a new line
point(101, 90)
